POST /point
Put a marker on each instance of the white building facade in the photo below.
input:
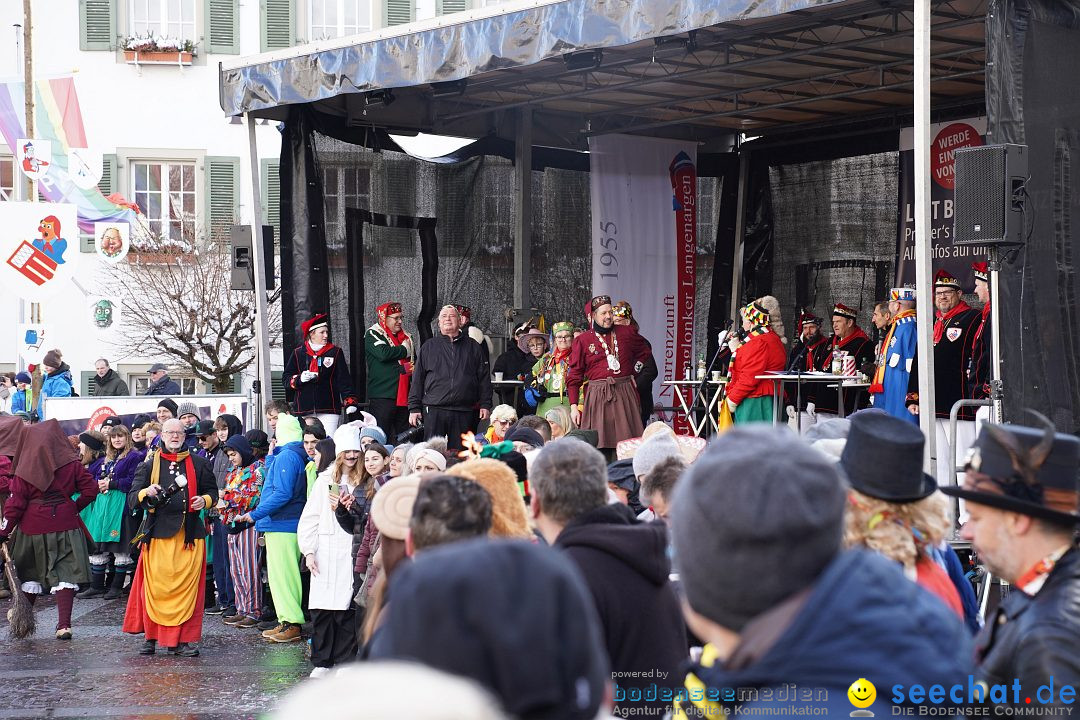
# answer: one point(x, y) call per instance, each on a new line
point(164, 141)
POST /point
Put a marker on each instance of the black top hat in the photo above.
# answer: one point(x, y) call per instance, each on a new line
point(1048, 491)
point(883, 458)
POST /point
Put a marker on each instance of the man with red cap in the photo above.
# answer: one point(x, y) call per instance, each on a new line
point(850, 338)
point(318, 375)
point(389, 351)
point(812, 353)
point(955, 325)
point(978, 371)
point(607, 357)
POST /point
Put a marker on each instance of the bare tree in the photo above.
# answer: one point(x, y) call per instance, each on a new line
point(177, 303)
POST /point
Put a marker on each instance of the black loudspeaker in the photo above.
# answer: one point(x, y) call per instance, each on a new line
point(990, 195)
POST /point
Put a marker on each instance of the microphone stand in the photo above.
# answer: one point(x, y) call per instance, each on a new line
point(703, 386)
point(798, 361)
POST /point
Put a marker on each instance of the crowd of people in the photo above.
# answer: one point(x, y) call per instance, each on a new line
point(577, 564)
point(533, 579)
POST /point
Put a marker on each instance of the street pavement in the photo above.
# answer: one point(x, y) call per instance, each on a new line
point(99, 673)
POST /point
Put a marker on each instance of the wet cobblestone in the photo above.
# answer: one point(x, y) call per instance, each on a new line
point(99, 673)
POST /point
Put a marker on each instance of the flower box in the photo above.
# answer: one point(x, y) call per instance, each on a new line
point(157, 57)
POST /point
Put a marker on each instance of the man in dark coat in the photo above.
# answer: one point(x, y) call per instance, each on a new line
point(820, 619)
point(850, 338)
point(1022, 524)
point(160, 382)
point(451, 386)
point(514, 364)
point(625, 567)
point(811, 353)
point(955, 326)
point(108, 383)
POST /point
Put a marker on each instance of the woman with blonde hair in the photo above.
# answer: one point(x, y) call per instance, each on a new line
point(327, 550)
point(894, 508)
point(559, 419)
point(502, 417)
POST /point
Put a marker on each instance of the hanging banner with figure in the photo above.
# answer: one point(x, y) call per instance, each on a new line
point(39, 249)
point(946, 139)
point(644, 248)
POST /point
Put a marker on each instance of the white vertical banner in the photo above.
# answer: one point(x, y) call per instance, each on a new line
point(644, 248)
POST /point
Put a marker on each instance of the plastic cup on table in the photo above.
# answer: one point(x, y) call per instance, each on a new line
point(498, 377)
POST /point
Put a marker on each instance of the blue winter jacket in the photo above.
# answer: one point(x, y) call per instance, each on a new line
point(58, 385)
point(862, 619)
point(284, 490)
point(18, 403)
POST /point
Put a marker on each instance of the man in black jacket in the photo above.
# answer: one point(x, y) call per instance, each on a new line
point(1021, 489)
point(626, 569)
point(451, 381)
point(108, 383)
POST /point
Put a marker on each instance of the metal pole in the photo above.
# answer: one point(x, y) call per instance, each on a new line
point(523, 209)
point(924, 287)
point(740, 229)
point(28, 85)
point(997, 393)
point(262, 335)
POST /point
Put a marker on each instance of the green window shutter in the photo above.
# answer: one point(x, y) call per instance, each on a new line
point(97, 24)
point(277, 389)
point(271, 195)
point(445, 7)
point(277, 24)
point(87, 383)
point(222, 176)
point(107, 184)
point(399, 12)
point(222, 19)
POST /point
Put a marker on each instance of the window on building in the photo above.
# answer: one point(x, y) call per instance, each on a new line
point(165, 192)
point(171, 18)
point(7, 178)
point(344, 188)
point(140, 381)
point(338, 18)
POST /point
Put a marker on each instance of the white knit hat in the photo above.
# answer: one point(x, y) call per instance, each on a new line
point(347, 437)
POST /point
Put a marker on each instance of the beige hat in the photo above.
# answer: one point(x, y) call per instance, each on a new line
point(393, 505)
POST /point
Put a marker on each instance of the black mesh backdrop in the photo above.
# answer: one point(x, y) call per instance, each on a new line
point(473, 204)
point(834, 226)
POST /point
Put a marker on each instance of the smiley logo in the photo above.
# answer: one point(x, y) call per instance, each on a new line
point(862, 694)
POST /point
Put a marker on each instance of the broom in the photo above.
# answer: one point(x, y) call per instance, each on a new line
point(21, 619)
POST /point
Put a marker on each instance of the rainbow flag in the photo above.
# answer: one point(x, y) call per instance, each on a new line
point(57, 118)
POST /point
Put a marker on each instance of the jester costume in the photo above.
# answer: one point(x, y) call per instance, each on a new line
point(389, 370)
point(890, 385)
point(549, 375)
point(167, 598)
point(763, 351)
